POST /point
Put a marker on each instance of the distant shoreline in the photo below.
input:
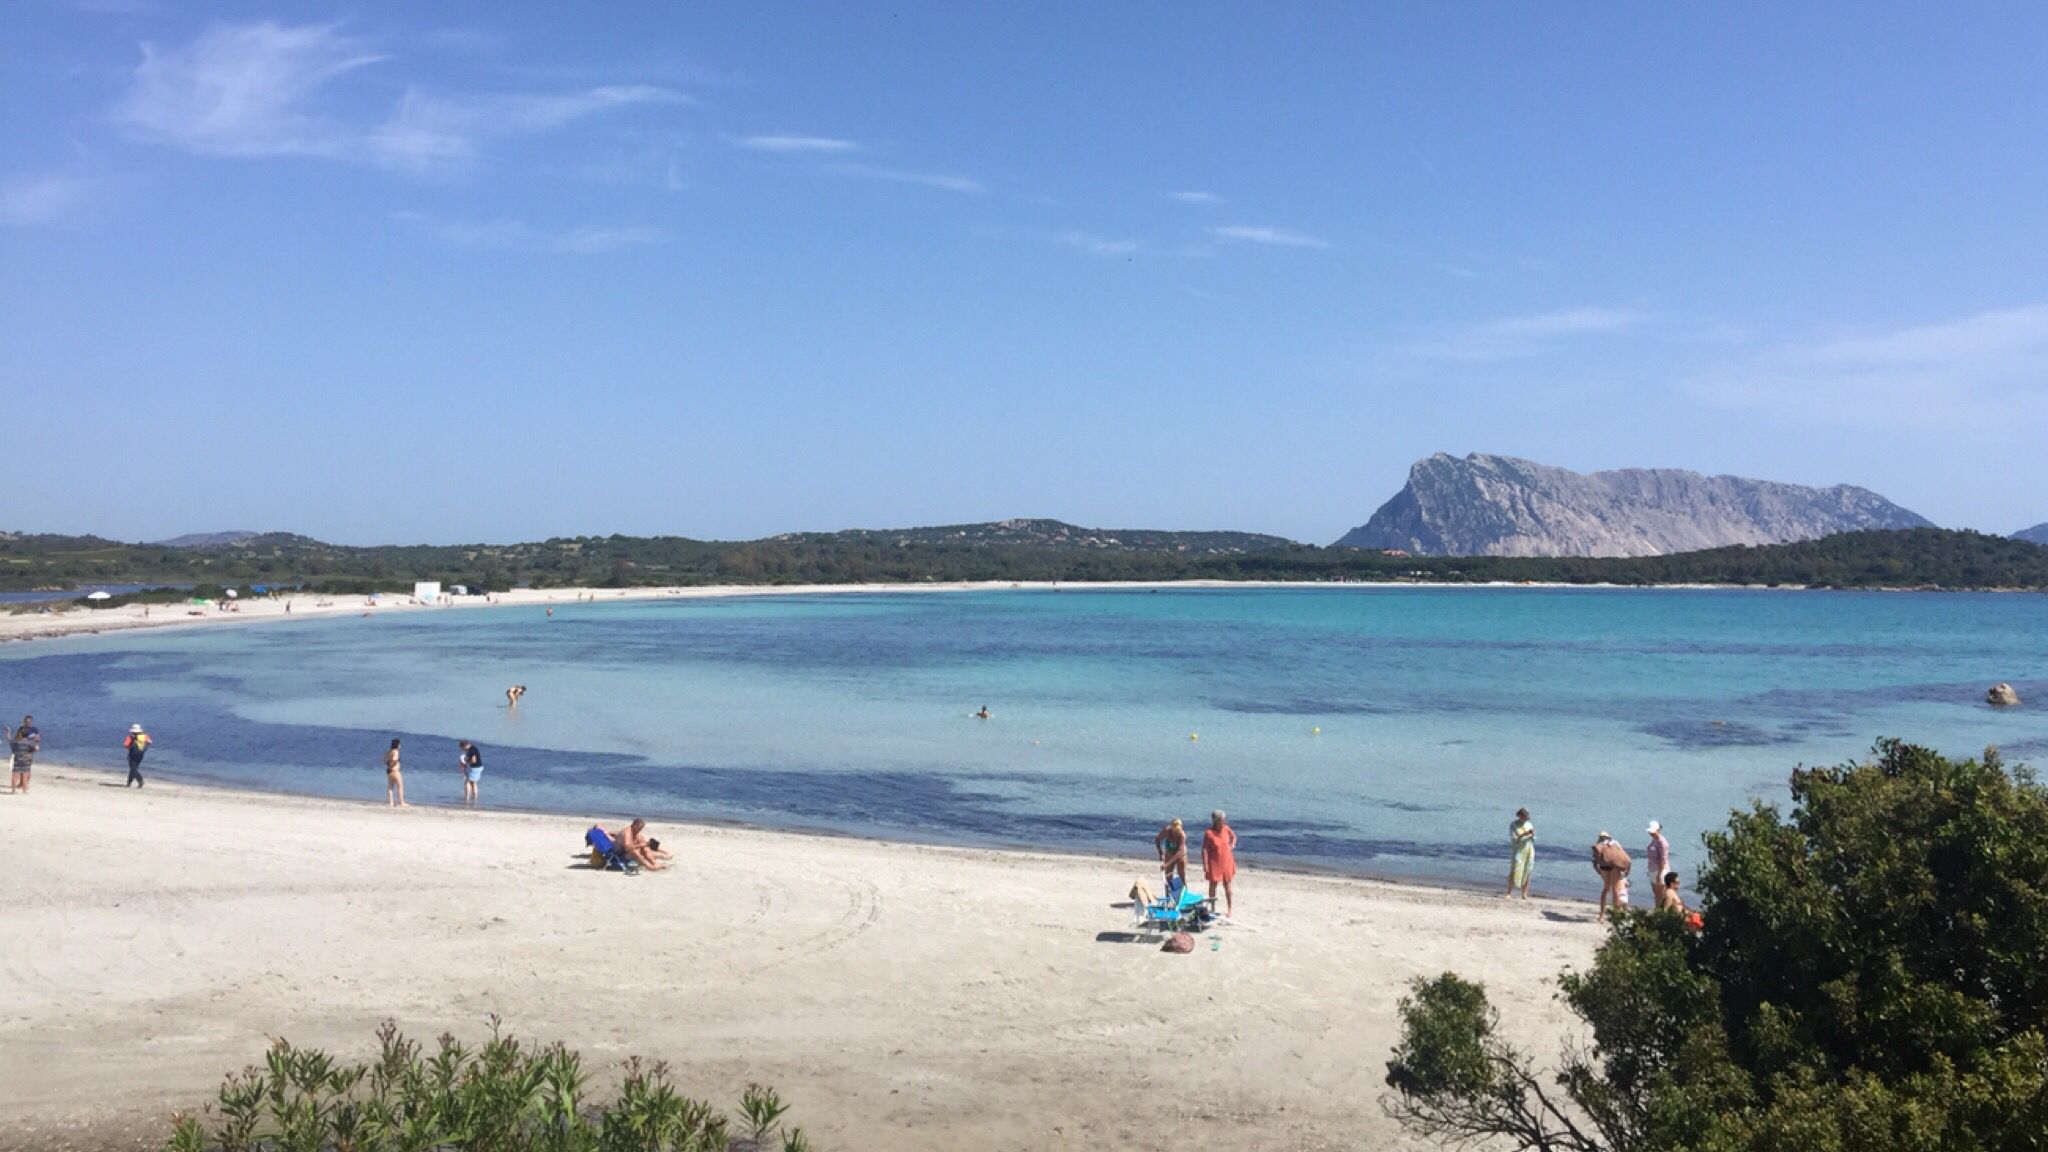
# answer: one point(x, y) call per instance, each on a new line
point(80, 621)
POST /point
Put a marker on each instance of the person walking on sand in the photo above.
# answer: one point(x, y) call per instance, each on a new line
point(1219, 858)
point(1172, 846)
point(23, 745)
point(1612, 863)
point(1658, 857)
point(136, 742)
point(472, 761)
point(394, 782)
point(1522, 846)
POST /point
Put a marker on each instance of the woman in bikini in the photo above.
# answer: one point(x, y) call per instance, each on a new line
point(394, 784)
point(1172, 846)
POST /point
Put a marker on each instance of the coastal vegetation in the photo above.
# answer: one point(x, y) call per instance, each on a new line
point(1867, 975)
point(503, 1096)
point(1028, 550)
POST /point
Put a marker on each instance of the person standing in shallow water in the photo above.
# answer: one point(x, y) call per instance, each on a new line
point(137, 742)
point(1611, 861)
point(394, 782)
point(1219, 859)
point(472, 762)
point(1658, 856)
point(1522, 845)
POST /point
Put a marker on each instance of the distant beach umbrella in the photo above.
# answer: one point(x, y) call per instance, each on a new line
point(102, 595)
point(233, 595)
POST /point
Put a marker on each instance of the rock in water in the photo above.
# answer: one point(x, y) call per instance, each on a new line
point(2002, 695)
point(1500, 506)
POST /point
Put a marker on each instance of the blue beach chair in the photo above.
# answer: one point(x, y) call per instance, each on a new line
point(1176, 911)
point(602, 847)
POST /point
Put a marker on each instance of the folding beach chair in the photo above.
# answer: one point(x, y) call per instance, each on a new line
point(606, 854)
point(1179, 909)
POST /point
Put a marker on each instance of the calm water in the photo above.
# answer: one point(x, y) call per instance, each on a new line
point(1439, 710)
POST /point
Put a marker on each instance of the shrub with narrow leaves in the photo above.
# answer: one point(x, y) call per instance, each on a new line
point(504, 1096)
point(1870, 975)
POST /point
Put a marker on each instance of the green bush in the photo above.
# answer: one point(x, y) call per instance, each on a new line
point(1872, 974)
point(501, 1097)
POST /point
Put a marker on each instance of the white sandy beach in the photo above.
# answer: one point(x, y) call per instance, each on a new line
point(900, 996)
point(76, 619)
point(79, 619)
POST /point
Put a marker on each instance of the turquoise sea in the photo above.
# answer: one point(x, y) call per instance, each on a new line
point(1383, 730)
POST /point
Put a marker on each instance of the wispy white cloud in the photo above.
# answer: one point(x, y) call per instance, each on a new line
point(1195, 197)
point(1987, 372)
point(518, 236)
point(1565, 322)
point(943, 181)
point(796, 144)
point(1275, 237)
point(243, 90)
point(41, 199)
point(430, 131)
point(1531, 334)
point(1095, 245)
point(264, 89)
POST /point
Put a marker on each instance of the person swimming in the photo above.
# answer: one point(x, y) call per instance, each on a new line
point(983, 714)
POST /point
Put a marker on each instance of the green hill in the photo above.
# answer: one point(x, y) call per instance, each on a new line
point(1006, 550)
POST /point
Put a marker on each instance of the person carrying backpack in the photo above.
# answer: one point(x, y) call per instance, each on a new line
point(136, 742)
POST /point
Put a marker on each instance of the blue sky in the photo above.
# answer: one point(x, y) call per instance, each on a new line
point(495, 271)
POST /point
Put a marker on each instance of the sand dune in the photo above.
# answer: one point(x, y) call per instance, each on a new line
point(903, 997)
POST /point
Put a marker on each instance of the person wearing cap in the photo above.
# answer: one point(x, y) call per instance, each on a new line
point(1658, 854)
point(137, 742)
point(1611, 861)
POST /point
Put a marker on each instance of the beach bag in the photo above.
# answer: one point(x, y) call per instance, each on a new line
point(1614, 858)
point(1178, 942)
